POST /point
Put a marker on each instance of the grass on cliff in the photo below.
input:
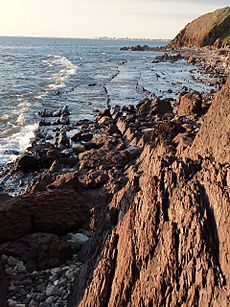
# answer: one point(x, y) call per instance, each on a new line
point(223, 14)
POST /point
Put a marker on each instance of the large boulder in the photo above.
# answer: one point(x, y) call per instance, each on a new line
point(190, 104)
point(153, 107)
point(58, 212)
point(40, 251)
point(209, 29)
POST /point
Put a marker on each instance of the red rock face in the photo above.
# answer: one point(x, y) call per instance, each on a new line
point(213, 138)
point(170, 246)
point(58, 212)
point(170, 243)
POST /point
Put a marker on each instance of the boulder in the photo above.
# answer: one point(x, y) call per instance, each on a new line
point(27, 162)
point(190, 104)
point(39, 251)
point(153, 107)
point(58, 212)
point(105, 120)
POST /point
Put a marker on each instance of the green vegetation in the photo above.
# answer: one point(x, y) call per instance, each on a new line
point(223, 14)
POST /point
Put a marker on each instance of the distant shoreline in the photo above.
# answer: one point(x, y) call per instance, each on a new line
point(88, 38)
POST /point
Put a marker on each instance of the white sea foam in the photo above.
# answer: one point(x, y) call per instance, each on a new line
point(26, 136)
point(18, 142)
point(23, 108)
point(67, 69)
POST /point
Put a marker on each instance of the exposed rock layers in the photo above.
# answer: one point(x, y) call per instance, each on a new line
point(170, 244)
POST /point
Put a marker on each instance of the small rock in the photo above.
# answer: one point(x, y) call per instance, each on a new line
point(11, 303)
point(12, 261)
point(78, 148)
point(12, 288)
point(26, 282)
point(69, 275)
point(133, 151)
point(50, 300)
point(20, 267)
point(49, 290)
point(40, 297)
point(33, 304)
point(9, 271)
point(56, 282)
point(4, 258)
point(78, 238)
point(105, 120)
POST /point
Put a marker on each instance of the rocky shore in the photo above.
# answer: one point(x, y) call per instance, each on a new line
point(131, 209)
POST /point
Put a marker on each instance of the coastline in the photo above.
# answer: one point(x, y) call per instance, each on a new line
point(97, 178)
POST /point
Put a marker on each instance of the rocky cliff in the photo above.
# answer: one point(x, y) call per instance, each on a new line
point(209, 29)
point(168, 244)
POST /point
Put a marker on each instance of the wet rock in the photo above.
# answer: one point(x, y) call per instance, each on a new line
point(27, 163)
point(167, 57)
point(137, 48)
point(78, 148)
point(85, 137)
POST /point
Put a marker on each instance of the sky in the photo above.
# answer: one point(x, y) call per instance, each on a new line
point(96, 18)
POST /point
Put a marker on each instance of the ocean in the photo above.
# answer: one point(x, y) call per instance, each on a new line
point(85, 74)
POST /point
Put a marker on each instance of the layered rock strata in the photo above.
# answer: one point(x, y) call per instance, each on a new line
point(169, 241)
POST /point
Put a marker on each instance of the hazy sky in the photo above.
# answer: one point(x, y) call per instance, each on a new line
point(92, 18)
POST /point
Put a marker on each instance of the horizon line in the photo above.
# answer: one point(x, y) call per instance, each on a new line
point(96, 37)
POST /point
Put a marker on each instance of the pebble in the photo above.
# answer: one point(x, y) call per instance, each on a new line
point(20, 267)
point(46, 288)
point(49, 290)
point(12, 261)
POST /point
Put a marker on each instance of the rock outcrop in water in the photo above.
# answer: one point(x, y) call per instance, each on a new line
point(169, 243)
point(212, 29)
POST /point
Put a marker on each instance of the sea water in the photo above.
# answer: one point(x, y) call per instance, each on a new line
point(85, 74)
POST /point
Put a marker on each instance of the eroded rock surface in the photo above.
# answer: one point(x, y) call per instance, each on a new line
point(165, 241)
point(213, 138)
